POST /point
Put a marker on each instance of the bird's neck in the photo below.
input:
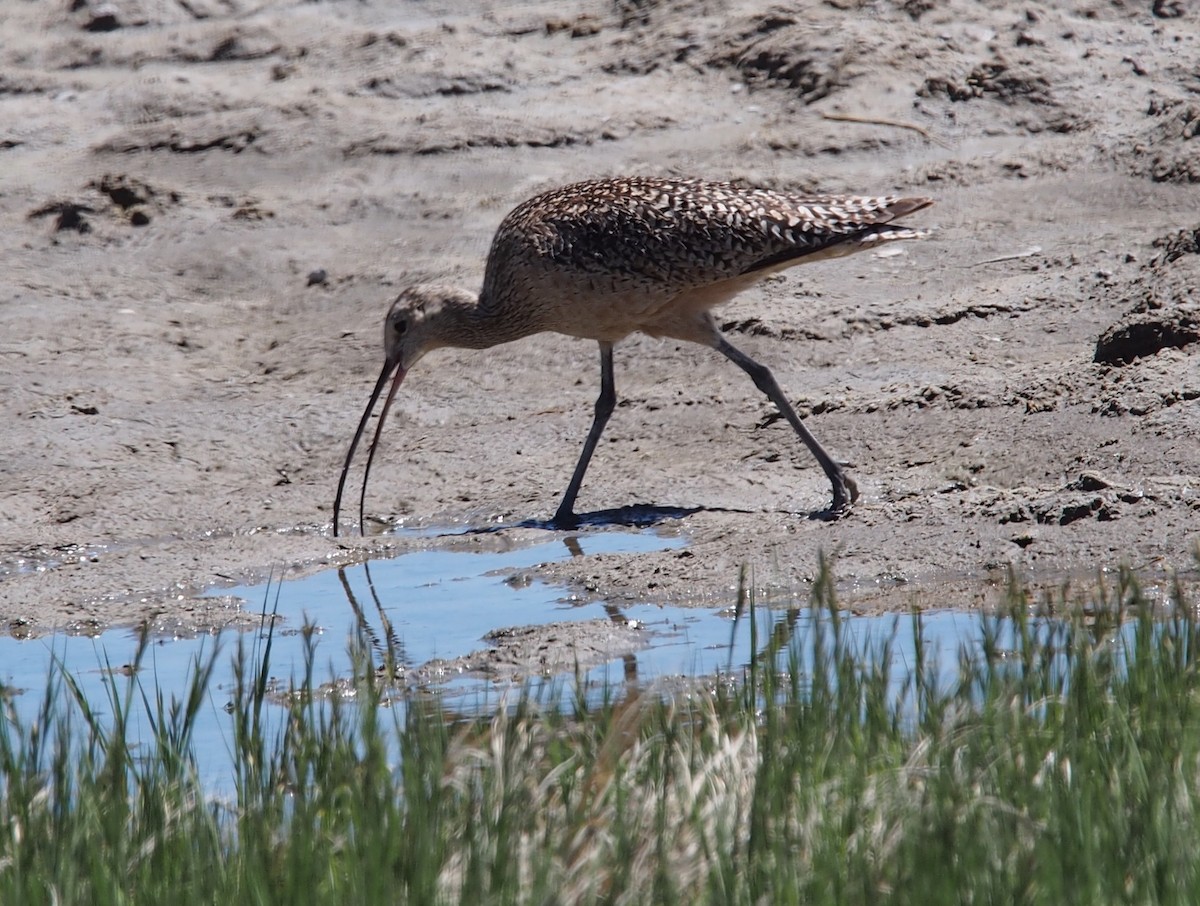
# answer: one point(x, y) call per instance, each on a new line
point(472, 322)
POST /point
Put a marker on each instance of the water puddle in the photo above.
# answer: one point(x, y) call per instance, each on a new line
point(432, 611)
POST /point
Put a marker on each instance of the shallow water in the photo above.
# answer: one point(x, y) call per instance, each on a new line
point(439, 604)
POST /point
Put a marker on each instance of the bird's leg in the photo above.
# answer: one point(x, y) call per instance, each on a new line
point(605, 403)
point(845, 491)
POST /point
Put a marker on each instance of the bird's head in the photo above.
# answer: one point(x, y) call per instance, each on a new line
point(422, 318)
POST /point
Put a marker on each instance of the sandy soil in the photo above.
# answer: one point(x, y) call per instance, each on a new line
point(208, 204)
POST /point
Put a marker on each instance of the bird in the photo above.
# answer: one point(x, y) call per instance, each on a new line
point(605, 258)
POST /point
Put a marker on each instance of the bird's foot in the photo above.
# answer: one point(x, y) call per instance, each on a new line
point(564, 520)
point(845, 493)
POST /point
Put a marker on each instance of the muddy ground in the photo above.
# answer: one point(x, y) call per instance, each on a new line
point(208, 204)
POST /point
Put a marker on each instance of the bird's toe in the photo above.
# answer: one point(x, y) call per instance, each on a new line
point(852, 487)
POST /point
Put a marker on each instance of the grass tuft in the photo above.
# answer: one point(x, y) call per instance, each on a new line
point(1060, 765)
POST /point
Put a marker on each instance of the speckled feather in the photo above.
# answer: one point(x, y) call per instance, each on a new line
point(678, 234)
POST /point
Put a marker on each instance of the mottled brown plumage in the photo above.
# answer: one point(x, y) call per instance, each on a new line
point(603, 259)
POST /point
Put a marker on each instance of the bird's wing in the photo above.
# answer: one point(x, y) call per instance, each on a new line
point(687, 233)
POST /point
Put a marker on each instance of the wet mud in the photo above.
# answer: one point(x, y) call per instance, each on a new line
point(208, 206)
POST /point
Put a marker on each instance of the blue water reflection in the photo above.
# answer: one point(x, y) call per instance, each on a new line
point(440, 604)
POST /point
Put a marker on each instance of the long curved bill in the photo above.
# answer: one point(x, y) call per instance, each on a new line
point(388, 367)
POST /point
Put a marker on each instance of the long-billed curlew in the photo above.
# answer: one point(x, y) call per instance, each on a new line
point(603, 259)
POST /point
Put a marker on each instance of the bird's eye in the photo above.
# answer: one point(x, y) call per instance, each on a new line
point(400, 326)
